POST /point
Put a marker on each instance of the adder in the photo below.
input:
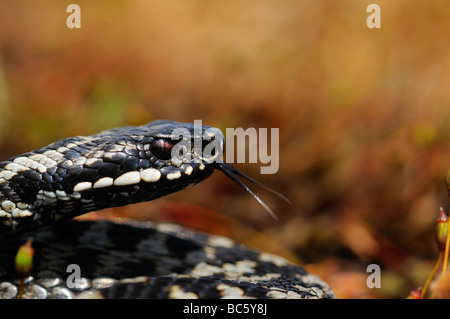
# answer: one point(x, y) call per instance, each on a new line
point(42, 190)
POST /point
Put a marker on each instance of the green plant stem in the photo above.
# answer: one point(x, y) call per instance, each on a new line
point(433, 272)
point(447, 245)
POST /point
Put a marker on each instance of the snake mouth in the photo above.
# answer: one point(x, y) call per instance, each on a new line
point(232, 172)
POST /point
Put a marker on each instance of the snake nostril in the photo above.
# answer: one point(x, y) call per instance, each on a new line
point(162, 149)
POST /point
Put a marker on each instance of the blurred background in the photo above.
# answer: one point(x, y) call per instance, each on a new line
point(363, 116)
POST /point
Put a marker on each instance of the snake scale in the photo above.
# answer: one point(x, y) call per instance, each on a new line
point(42, 190)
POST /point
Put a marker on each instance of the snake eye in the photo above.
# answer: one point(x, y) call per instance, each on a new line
point(162, 149)
point(208, 151)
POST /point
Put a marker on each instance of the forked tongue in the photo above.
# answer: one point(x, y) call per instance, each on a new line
point(232, 171)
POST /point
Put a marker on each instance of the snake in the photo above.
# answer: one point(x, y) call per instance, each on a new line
point(41, 192)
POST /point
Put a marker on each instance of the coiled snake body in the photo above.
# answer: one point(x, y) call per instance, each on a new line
point(51, 185)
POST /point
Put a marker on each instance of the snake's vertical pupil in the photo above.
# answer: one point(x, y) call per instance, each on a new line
point(162, 149)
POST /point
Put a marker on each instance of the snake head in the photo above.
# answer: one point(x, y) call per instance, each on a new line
point(183, 148)
point(200, 148)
